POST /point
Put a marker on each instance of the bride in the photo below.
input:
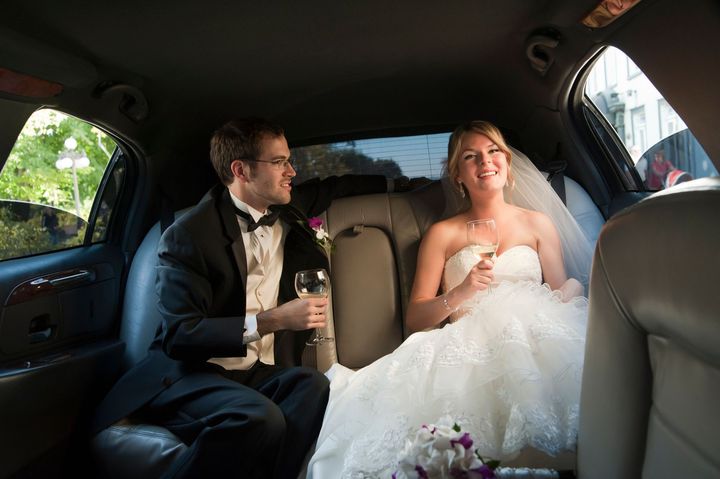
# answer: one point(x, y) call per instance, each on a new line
point(507, 364)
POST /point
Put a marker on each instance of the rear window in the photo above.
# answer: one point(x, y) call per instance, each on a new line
point(411, 156)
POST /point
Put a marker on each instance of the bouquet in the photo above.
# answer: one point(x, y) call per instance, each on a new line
point(443, 451)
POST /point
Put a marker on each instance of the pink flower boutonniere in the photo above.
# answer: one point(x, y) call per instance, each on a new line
point(321, 236)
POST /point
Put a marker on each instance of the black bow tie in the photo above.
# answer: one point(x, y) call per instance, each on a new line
point(266, 220)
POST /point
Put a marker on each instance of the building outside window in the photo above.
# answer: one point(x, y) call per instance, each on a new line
point(657, 139)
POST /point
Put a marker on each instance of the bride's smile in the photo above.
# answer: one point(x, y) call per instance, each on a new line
point(482, 164)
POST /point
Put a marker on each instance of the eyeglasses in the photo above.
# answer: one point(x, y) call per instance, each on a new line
point(280, 165)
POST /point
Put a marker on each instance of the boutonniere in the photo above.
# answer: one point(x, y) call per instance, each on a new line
point(321, 237)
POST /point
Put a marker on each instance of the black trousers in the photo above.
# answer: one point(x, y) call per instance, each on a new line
point(258, 423)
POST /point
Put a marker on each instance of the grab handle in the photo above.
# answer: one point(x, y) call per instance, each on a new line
point(79, 277)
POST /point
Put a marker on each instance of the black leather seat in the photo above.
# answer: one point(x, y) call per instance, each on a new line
point(129, 448)
point(652, 366)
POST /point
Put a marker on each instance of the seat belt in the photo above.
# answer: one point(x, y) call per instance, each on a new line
point(556, 177)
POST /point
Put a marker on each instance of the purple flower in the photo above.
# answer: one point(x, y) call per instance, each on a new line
point(456, 473)
point(485, 471)
point(464, 441)
point(430, 454)
point(315, 222)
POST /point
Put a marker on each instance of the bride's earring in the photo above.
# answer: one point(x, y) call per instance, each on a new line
point(462, 190)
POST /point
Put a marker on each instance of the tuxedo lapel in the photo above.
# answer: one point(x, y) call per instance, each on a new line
point(300, 252)
point(299, 225)
point(295, 218)
point(232, 232)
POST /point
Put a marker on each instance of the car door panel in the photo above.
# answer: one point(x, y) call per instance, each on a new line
point(55, 308)
point(58, 309)
point(45, 400)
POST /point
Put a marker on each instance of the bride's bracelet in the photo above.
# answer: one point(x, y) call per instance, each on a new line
point(447, 305)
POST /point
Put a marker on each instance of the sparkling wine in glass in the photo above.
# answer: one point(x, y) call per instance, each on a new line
point(313, 283)
point(482, 236)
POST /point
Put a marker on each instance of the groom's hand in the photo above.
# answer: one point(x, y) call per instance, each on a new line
point(296, 315)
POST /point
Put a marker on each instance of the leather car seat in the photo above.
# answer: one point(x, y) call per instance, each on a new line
point(129, 448)
point(652, 367)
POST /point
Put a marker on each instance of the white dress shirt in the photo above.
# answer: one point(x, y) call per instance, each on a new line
point(264, 254)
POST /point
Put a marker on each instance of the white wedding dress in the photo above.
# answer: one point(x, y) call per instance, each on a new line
point(507, 370)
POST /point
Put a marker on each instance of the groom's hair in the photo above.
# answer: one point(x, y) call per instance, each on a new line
point(483, 128)
point(240, 139)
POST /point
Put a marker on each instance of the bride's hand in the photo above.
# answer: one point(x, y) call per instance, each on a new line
point(570, 289)
point(479, 277)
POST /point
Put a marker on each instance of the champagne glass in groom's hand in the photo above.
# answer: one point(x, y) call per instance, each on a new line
point(313, 283)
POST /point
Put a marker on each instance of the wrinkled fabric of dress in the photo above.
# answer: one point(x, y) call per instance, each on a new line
point(508, 370)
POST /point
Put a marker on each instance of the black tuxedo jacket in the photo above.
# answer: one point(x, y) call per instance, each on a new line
point(201, 278)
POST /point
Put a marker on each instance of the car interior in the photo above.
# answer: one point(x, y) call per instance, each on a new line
point(148, 84)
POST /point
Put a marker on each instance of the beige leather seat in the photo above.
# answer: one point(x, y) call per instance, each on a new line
point(376, 239)
point(651, 382)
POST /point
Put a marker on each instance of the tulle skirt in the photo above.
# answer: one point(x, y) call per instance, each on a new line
point(508, 371)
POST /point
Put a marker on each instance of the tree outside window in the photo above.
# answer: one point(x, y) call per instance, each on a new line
point(49, 182)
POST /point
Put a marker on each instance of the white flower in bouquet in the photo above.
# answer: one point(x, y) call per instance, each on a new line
point(442, 451)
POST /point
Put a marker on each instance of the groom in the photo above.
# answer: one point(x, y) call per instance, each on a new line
point(221, 373)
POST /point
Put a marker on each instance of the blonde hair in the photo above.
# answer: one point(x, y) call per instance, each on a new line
point(480, 127)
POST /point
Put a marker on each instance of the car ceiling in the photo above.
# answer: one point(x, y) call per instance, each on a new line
point(339, 69)
point(321, 68)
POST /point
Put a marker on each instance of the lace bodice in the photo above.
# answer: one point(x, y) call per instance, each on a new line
point(519, 263)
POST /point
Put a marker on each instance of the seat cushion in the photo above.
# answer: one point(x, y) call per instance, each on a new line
point(119, 448)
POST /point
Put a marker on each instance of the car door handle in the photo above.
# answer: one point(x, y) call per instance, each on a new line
point(79, 277)
point(40, 336)
point(41, 329)
point(50, 283)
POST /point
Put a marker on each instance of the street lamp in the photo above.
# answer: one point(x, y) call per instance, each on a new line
point(69, 158)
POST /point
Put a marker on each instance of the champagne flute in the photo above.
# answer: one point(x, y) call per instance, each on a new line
point(482, 235)
point(313, 283)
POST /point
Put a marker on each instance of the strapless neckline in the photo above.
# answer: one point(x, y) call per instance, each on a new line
point(518, 263)
point(517, 246)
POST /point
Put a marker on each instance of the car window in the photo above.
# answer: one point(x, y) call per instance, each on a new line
point(662, 150)
point(55, 187)
point(411, 156)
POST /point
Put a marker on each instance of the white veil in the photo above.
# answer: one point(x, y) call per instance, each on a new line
point(532, 191)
